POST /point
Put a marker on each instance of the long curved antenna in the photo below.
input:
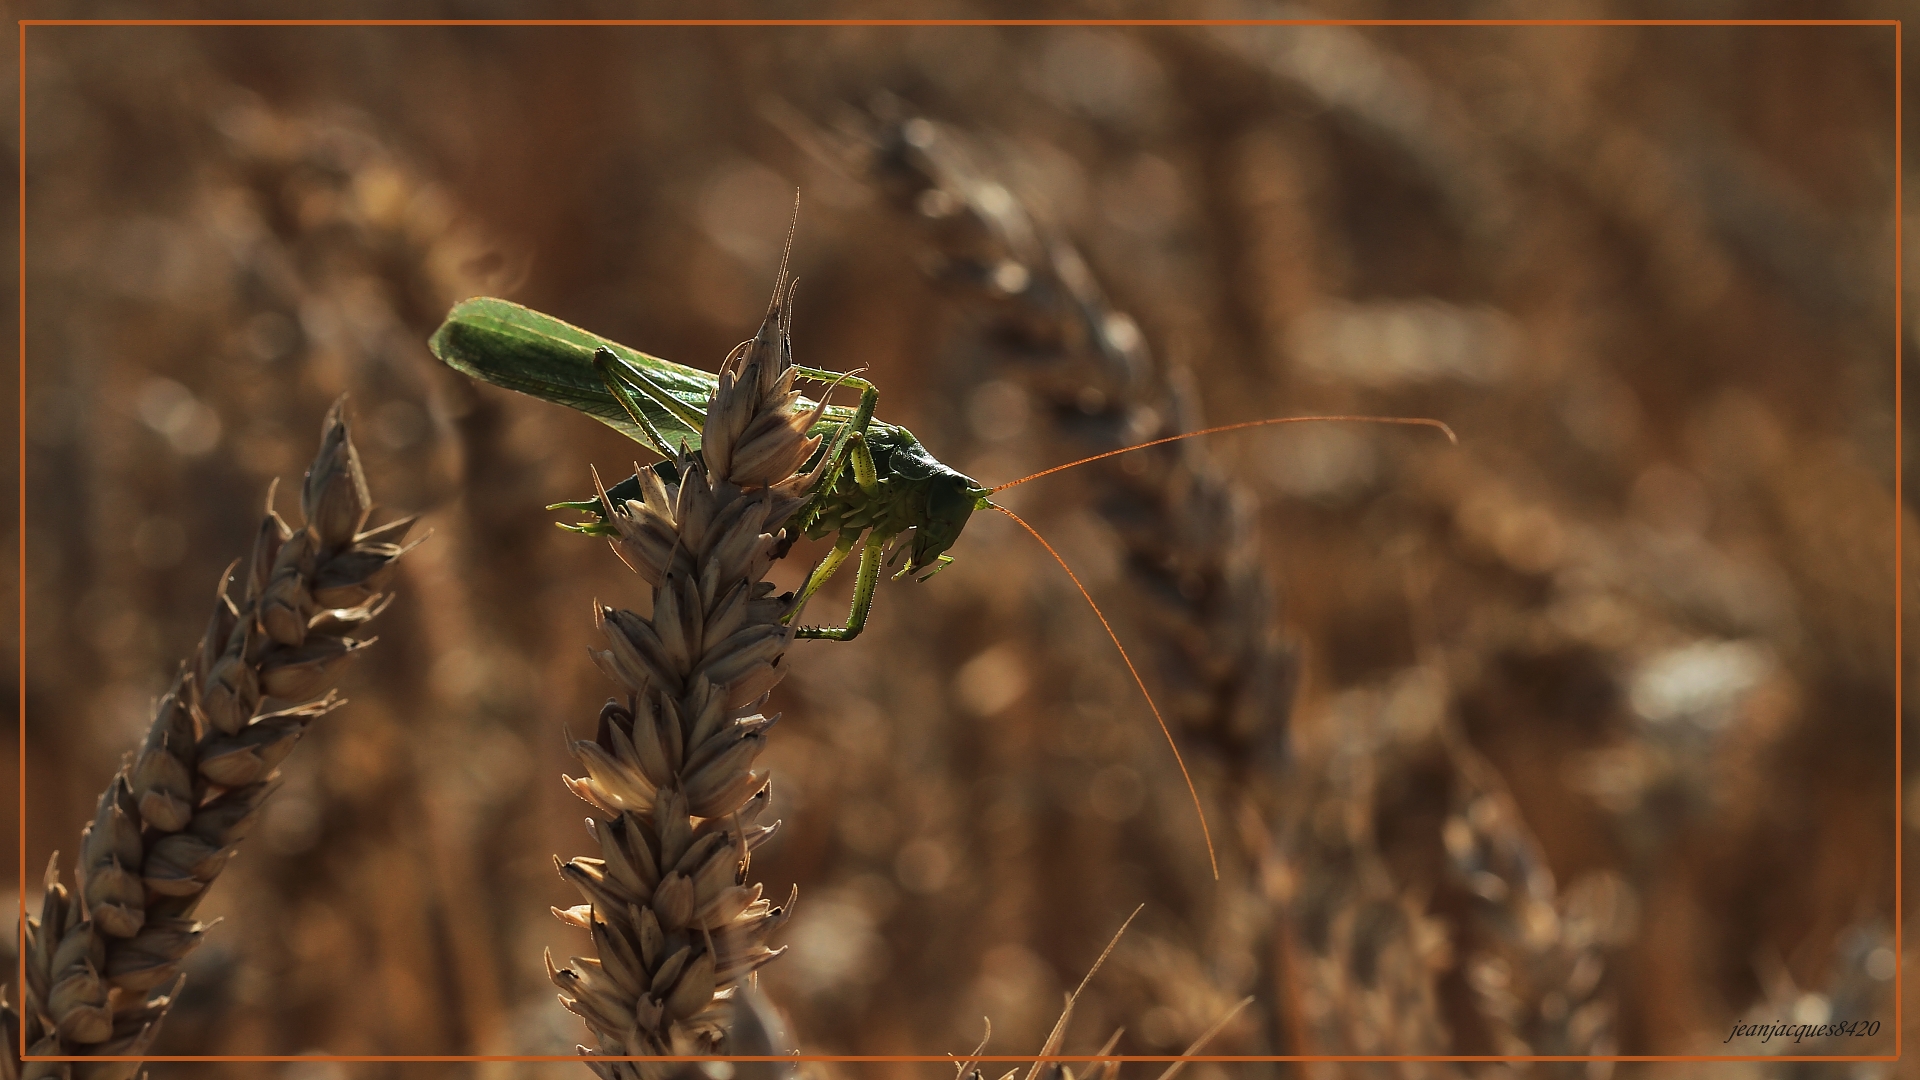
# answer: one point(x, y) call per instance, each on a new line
point(1421, 421)
point(1205, 833)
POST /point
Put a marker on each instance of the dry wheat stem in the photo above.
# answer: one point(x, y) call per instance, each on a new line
point(169, 821)
point(676, 927)
point(1366, 954)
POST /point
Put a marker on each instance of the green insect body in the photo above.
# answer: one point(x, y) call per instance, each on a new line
point(879, 484)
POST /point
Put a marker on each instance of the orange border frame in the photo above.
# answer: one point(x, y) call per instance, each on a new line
point(1898, 685)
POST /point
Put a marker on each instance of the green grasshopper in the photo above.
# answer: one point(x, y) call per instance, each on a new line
point(895, 485)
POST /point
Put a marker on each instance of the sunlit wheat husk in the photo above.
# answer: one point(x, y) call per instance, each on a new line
point(675, 924)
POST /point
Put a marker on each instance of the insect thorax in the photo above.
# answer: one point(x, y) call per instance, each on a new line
point(896, 504)
point(907, 476)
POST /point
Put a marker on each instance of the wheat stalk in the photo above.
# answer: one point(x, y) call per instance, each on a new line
point(169, 821)
point(675, 925)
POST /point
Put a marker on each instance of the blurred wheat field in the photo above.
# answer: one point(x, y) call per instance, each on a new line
point(1571, 739)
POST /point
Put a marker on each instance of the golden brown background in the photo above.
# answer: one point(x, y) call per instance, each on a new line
point(1584, 746)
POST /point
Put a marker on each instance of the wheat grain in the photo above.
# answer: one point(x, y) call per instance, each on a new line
point(675, 924)
point(168, 822)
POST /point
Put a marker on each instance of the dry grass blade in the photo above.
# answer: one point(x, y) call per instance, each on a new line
point(1107, 1070)
point(676, 926)
point(963, 1068)
point(1059, 1032)
point(1206, 1037)
point(169, 821)
point(1100, 1070)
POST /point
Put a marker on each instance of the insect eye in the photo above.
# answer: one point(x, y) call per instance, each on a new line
point(950, 500)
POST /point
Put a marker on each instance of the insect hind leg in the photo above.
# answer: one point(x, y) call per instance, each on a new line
point(607, 364)
point(827, 567)
point(863, 585)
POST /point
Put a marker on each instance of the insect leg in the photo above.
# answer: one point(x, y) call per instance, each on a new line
point(603, 362)
point(855, 427)
point(848, 442)
point(870, 558)
point(869, 393)
point(865, 473)
point(613, 368)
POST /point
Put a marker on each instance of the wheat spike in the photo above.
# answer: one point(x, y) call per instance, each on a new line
point(168, 822)
point(1190, 535)
point(675, 924)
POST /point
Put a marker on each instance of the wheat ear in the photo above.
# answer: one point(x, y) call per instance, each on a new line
point(674, 922)
point(1191, 538)
point(168, 823)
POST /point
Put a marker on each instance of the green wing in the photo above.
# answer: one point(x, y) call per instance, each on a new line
point(500, 342)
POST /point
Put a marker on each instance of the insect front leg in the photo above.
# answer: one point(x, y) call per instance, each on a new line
point(870, 558)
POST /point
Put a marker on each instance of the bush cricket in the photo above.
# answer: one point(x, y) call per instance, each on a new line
point(877, 484)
